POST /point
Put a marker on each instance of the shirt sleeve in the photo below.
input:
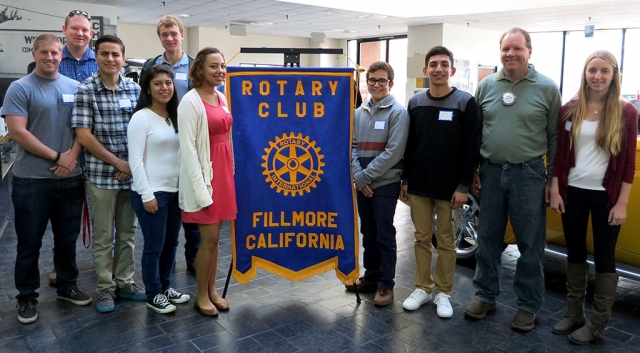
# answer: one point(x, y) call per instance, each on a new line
point(469, 146)
point(631, 130)
point(16, 101)
point(139, 127)
point(552, 130)
point(82, 115)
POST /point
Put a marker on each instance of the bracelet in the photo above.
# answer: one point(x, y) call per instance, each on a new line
point(57, 158)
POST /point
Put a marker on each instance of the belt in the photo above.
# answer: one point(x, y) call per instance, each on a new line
point(534, 159)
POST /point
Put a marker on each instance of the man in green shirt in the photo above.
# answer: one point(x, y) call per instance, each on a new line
point(518, 108)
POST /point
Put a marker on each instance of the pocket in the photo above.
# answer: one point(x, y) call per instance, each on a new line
point(536, 170)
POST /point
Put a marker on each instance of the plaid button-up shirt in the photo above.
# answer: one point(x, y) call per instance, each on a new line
point(107, 113)
point(78, 69)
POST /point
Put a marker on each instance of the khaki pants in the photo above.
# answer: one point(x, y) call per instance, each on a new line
point(111, 208)
point(422, 210)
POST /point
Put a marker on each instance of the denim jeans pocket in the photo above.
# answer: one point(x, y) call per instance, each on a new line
point(22, 181)
point(536, 169)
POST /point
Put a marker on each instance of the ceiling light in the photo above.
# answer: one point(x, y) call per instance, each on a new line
point(548, 23)
point(262, 24)
point(334, 12)
point(338, 30)
point(183, 15)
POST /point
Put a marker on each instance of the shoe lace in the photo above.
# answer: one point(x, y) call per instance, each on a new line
point(23, 306)
point(107, 294)
point(172, 293)
point(442, 300)
point(415, 294)
point(161, 300)
point(135, 288)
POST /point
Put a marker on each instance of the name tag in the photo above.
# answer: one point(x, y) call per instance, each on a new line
point(226, 110)
point(181, 76)
point(124, 103)
point(567, 125)
point(67, 98)
point(379, 125)
point(445, 116)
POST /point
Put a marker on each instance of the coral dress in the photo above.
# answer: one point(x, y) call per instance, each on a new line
point(224, 192)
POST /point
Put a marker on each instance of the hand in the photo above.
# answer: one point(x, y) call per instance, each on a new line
point(556, 203)
point(151, 206)
point(404, 194)
point(123, 167)
point(458, 199)
point(617, 215)
point(122, 177)
point(67, 161)
point(366, 190)
point(59, 171)
point(547, 192)
point(476, 185)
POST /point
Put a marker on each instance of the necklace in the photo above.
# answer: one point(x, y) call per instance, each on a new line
point(596, 112)
point(166, 120)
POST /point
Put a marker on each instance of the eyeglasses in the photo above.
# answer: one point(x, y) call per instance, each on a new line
point(80, 12)
point(380, 81)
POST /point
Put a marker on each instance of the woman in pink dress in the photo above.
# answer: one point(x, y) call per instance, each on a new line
point(207, 190)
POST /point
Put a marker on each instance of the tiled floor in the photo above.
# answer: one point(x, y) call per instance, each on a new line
point(274, 315)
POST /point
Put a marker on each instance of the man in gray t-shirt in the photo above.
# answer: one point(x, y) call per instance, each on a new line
point(47, 185)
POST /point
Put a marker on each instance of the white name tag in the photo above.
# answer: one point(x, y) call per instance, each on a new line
point(67, 98)
point(446, 116)
point(124, 102)
point(379, 125)
point(226, 110)
point(181, 76)
point(567, 125)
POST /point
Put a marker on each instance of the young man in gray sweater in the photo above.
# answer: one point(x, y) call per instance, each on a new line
point(381, 127)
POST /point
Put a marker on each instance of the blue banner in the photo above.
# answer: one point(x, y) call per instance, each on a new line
point(292, 130)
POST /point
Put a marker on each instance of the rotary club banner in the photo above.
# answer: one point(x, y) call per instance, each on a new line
point(292, 131)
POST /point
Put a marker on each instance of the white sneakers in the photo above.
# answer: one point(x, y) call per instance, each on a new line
point(420, 297)
point(444, 310)
point(416, 299)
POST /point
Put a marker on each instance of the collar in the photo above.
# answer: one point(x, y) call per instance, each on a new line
point(532, 75)
point(386, 102)
point(184, 60)
point(102, 87)
point(88, 54)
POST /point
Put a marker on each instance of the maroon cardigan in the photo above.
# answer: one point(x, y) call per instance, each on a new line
point(621, 168)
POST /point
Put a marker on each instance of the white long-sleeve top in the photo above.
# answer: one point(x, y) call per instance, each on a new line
point(154, 148)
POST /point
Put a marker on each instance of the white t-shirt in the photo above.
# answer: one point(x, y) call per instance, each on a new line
point(153, 154)
point(591, 162)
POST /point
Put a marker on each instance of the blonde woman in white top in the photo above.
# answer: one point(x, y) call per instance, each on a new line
point(153, 156)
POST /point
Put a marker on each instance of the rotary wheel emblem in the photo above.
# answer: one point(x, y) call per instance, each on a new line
point(292, 164)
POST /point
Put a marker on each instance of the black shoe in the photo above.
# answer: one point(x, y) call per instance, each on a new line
point(74, 295)
point(191, 268)
point(160, 304)
point(27, 312)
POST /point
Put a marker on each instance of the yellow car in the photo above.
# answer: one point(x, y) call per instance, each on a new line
point(627, 248)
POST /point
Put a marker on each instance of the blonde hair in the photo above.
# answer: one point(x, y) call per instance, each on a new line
point(609, 132)
point(170, 21)
point(46, 38)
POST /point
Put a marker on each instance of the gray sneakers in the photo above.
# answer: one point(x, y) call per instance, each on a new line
point(132, 291)
point(105, 302)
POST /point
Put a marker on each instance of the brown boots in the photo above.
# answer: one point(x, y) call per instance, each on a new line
point(576, 287)
point(606, 285)
point(573, 323)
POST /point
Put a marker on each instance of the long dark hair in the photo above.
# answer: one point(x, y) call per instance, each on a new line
point(144, 101)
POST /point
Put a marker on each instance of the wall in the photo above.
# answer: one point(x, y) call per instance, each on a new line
point(142, 41)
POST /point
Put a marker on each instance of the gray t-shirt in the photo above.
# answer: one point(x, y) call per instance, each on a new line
point(46, 104)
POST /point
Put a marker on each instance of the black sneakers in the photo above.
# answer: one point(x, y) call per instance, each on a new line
point(176, 297)
point(160, 304)
point(75, 296)
point(27, 312)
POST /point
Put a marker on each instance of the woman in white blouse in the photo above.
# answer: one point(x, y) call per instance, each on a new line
point(153, 157)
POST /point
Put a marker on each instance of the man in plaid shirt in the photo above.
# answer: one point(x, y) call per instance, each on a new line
point(103, 107)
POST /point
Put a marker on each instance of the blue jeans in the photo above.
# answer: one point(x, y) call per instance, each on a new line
point(378, 234)
point(192, 243)
point(36, 202)
point(160, 231)
point(514, 192)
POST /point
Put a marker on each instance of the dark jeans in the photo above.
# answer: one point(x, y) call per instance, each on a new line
point(160, 231)
point(192, 243)
point(575, 220)
point(378, 234)
point(36, 202)
point(514, 192)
